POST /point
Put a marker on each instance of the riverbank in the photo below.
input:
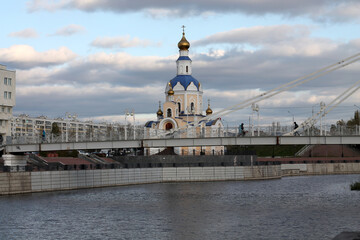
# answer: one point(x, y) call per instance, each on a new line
point(30, 182)
point(42, 181)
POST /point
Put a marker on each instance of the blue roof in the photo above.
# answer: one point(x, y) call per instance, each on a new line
point(149, 123)
point(184, 80)
point(210, 123)
point(183, 58)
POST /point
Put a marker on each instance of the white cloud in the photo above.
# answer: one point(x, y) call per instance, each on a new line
point(257, 35)
point(335, 10)
point(25, 56)
point(26, 33)
point(120, 42)
point(281, 40)
point(69, 30)
point(49, 5)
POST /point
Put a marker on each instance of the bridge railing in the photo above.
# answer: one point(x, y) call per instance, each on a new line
point(139, 132)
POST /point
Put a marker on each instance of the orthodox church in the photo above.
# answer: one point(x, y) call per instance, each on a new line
point(183, 107)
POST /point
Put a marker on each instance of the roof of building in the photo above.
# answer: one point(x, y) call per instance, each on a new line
point(183, 58)
point(149, 123)
point(185, 81)
point(67, 160)
point(108, 160)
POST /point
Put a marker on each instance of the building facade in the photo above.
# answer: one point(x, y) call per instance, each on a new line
point(26, 129)
point(7, 100)
point(182, 108)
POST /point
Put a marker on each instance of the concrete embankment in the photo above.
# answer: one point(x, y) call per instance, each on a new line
point(320, 169)
point(28, 182)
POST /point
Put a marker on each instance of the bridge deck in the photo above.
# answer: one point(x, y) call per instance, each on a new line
point(185, 142)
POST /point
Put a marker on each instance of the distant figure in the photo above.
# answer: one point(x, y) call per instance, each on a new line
point(241, 130)
point(296, 127)
point(43, 135)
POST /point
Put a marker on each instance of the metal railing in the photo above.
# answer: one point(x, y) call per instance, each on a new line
point(145, 133)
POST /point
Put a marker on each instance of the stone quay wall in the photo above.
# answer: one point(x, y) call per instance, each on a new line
point(320, 169)
point(30, 182)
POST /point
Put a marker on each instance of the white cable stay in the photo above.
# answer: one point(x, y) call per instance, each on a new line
point(280, 89)
point(327, 108)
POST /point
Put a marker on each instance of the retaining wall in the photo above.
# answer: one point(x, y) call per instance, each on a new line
point(320, 169)
point(26, 182)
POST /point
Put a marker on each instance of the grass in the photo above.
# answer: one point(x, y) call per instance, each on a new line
point(355, 186)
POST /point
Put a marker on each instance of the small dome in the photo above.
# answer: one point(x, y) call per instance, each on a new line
point(208, 110)
point(183, 44)
point(159, 112)
point(171, 92)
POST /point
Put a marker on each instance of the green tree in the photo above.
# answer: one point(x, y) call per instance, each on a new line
point(55, 130)
point(354, 121)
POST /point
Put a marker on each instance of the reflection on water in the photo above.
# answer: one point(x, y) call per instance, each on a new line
point(316, 207)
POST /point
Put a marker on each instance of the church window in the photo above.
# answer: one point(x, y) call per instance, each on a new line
point(187, 69)
point(168, 112)
point(192, 107)
point(179, 107)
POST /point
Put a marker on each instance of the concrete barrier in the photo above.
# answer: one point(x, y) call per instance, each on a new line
point(26, 182)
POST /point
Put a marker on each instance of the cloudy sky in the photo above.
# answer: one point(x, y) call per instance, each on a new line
point(98, 58)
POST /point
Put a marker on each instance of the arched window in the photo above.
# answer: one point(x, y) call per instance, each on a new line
point(192, 107)
point(168, 113)
point(187, 69)
point(179, 107)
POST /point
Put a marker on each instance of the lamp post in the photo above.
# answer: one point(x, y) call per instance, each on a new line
point(133, 115)
point(126, 115)
point(293, 119)
point(358, 123)
point(322, 107)
point(255, 108)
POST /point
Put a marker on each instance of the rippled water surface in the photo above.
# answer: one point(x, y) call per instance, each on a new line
point(314, 207)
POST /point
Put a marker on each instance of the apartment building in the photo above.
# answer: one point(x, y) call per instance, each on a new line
point(7, 100)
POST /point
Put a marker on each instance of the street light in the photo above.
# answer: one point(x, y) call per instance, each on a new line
point(322, 108)
point(127, 114)
point(255, 108)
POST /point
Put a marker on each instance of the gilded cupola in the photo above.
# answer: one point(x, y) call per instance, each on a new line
point(208, 110)
point(159, 112)
point(171, 91)
point(183, 44)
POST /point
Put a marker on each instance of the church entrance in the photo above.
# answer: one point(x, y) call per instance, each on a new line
point(168, 126)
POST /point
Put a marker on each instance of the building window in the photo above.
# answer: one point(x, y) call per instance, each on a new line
point(5, 95)
point(179, 107)
point(168, 112)
point(187, 69)
point(5, 81)
point(9, 95)
point(8, 110)
point(192, 107)
point(3, 109)
point(9, 81)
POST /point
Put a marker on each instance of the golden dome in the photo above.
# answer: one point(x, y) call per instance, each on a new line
point(183, 44)
point(159, 112)
point(171, 92)
point(208, 110)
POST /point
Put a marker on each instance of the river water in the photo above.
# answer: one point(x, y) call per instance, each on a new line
point(311, 207)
